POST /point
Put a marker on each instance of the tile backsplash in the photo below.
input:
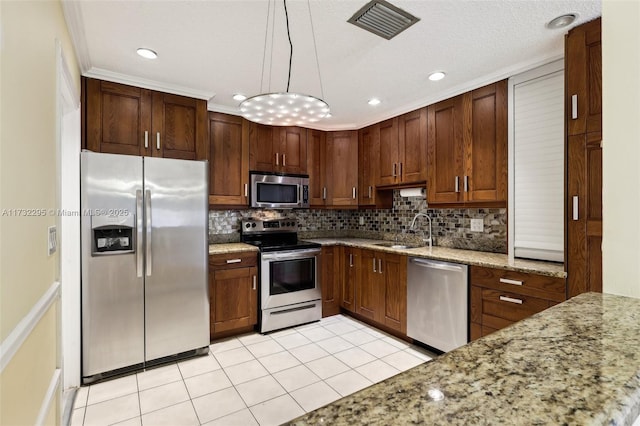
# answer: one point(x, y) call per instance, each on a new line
point(451, 227)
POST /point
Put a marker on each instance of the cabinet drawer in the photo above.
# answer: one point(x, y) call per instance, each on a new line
point(233, 260)
point(509, 306)
point(539, 286)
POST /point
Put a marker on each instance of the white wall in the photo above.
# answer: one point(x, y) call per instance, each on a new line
point(621, 146)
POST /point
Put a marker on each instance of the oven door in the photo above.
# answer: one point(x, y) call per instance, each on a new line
point(289, 277)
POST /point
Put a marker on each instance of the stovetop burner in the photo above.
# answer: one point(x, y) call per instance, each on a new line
point(273, 235)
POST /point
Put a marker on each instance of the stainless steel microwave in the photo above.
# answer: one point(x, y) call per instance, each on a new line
point(279, 191)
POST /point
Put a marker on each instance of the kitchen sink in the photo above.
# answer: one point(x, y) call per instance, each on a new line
point(397, 245)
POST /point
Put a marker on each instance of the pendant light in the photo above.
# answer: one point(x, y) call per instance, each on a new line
point(286, 108)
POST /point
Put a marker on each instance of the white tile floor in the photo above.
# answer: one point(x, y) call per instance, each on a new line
point(253, 379)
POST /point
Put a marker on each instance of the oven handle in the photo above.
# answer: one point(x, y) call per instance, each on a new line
point(289, 255)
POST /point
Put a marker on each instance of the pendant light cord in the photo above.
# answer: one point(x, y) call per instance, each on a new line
point(315, 48)
point(264, 52)
point(286, 15)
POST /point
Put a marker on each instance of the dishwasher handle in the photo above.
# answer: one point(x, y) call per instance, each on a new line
point(436, 265)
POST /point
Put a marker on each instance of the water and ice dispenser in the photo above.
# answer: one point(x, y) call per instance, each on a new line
point(112, 234)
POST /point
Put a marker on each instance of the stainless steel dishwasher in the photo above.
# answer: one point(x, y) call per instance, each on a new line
point(437, 303)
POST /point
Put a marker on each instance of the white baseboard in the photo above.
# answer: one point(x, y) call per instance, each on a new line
point(21, 332)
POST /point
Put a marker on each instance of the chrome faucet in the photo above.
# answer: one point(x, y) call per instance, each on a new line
point(413, 222)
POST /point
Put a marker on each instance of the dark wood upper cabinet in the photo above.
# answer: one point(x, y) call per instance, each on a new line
point(316, 162)
point(583, 78)
point(388, 158)
point(228, 160)
point(277, 149)
point(342, 168)
point(412, 146)
point(467, 148)
point(122, 119)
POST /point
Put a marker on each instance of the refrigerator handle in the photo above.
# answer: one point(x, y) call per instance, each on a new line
point(139, 225)
point(147, 212)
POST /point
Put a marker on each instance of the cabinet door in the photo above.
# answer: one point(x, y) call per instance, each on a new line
point(316, 161)
point(583, 70)
point(388, 159)
point(292, 153)
point(584, 226)
point(179, 127)
point(369, 288)
point(228, 160)
point(485, 143)
point(234, 299)
point(412, 146)
point(394, 271)
point(330, 279)
point(342, 168)
point(117, 118)
point(261, 147)
point(368, 162)
point(445, 151)
point(350, 275)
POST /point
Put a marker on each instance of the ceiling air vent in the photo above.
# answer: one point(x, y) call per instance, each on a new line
point(383, 18)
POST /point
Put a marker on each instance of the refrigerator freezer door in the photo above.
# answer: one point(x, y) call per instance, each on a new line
point(176, 293)
point(112, 292)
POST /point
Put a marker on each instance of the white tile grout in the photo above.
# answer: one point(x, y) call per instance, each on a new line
point(249, 339)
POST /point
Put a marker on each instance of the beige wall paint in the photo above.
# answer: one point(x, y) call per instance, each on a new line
point(621, 146)
point(28, 170)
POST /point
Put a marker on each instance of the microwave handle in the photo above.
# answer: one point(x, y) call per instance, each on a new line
point(299, 194)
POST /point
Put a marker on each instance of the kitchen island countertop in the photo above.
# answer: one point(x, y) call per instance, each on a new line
point(469, 257)
point(575, 363)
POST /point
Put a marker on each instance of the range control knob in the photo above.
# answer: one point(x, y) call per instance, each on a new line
point(247, 225)
point(253, 225)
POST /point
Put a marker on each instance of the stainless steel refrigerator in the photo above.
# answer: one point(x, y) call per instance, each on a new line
point(144, 261)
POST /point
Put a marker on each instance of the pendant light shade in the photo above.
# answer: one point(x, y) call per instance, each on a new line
point(286, 108)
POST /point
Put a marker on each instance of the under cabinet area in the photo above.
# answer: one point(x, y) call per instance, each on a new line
point(499, 298)
point(122, 119)
point(233, 293)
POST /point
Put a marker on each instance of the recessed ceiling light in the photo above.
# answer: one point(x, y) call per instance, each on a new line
point(239, 97)
point(373, 101)
point(562, 21)
point(147, 53)
point(435, 76)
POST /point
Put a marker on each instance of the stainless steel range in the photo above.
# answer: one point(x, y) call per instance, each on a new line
point(289, 286)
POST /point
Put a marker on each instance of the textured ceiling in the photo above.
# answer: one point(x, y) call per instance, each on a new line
point(213, 49)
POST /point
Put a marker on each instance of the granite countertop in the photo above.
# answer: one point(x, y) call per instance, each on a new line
point(231, 248)
point(575, 363)
point(469, 257)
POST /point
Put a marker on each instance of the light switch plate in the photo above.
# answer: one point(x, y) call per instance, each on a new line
point(361, 220)
point(477, 225)
point(52, 243)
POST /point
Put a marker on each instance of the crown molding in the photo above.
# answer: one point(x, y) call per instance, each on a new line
point(73, 17)
point(131, 80)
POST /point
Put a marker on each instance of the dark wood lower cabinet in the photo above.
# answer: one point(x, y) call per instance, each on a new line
point(349, 276)
point(330, 280)
point(499, 298)
point(233, 293)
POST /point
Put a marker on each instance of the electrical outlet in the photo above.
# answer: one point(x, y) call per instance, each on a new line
point(477, 225)
point(52, 242)
point(361, 220)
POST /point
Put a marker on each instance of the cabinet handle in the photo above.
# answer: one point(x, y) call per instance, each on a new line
point(246, 189)
point(370, 189)
point(277, 160)
point(146, 139)
point(353, 192)
point(158, 140)
point(466, 183)
point(575, 208)
point(324, 193)
point(254, 282)
point(511, 300)
point(508, 281)
point(574, 107)
point(394, 170)
point(350, 260)
point(457, 183)
point(379, 265)
point(400, 171)
point(234, 260)
point(284, 159)
point(374, 265)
